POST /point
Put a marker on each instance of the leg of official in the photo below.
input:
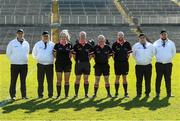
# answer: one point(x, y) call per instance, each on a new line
point(77, 83)
point(167, 76)
point(14, 76)
point(107, 85)
point(125, 85)
point(66, 86)
point(159, 74)
point(117, 84)
point(40, 76)
point(139, 78)
point(23, 75)
point(147, 76)
point(49, 76)
point(96, 85)
point(86, 84)
point(58, 84)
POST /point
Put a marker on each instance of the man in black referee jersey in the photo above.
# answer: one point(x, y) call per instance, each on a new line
point(121, 49)
point(102, 52)
point(82, 53)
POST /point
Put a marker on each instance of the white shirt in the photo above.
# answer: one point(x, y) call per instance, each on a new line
point(17, 52)
point(42, 55)
point(164, 54)
point(143, 56)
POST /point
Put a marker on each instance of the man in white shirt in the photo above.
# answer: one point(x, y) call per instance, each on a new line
point(143, 52)
point(17, 52)
point(165, 50)
point(43, 53)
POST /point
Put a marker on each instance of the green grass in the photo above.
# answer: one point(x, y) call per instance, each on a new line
point(86, 109)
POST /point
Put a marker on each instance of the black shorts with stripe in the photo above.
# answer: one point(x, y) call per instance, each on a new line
point(82, 68)
point(62, 67)
point(102, 69)
point(121, 68)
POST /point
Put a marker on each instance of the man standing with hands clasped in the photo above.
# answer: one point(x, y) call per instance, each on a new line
point(121, 49)
point(43, 53)
point(143, 53)
point(165, 50)
point(17, 52)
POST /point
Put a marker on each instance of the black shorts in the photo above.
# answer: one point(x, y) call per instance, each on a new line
point(101, 69)
point(121, 68)
point(63, 67)
point(82, 68)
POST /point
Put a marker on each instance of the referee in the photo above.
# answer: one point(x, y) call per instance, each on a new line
point(165, 50)
point(143, 53)
point(121, 49)
point(17, 52)
point(82, 53)
point(102, 52)
point(43, 53)
point(63, 53)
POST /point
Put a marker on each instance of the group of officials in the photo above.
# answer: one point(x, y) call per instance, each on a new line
point(45, 51)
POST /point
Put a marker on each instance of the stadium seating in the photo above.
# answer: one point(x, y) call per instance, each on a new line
point(151, 7)
point(25, 7)
point(152, 11)
point(32, 34)
point(93, 11)
point(94, 16)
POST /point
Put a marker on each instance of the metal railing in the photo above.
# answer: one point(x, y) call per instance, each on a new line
point(175, 19)
point(86, 19)
point(25, 19)
point(92, 19)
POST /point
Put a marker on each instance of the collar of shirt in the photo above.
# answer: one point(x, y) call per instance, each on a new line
point(20, 41)
point(121, 43)
point(164, 40)
point(101, 47)
point(44, 42)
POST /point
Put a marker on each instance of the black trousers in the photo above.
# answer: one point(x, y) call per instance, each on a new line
point(43, 70)
point(146, 72)
point(15, 71)
point(163, 70)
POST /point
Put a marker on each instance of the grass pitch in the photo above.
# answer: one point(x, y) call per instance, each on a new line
point(101, 108)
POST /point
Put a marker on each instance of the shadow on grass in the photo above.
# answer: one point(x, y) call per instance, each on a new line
point(54, 105)
point(154, 104)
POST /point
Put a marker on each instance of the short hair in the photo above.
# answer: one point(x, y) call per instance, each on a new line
point(142, 34)
point(121, 33)
point(66, 32)
point(102, 36)
point(163, 31)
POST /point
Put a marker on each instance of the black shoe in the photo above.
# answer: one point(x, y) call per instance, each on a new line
point(157, 95)
point(57, 97)
point(13, 98)
point(66, 97)
point(116, 95)
point(138, 96)
point(109, 96)
point(75, 96)
point(24, 98)
point(86, 96)
point(170, 95)
point(147, 96)
point(126, 96)
point(40, 97)
point(94, 96)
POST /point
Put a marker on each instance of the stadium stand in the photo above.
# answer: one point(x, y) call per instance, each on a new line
point(153, 11)
point(25, 7)
point(94, 16)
